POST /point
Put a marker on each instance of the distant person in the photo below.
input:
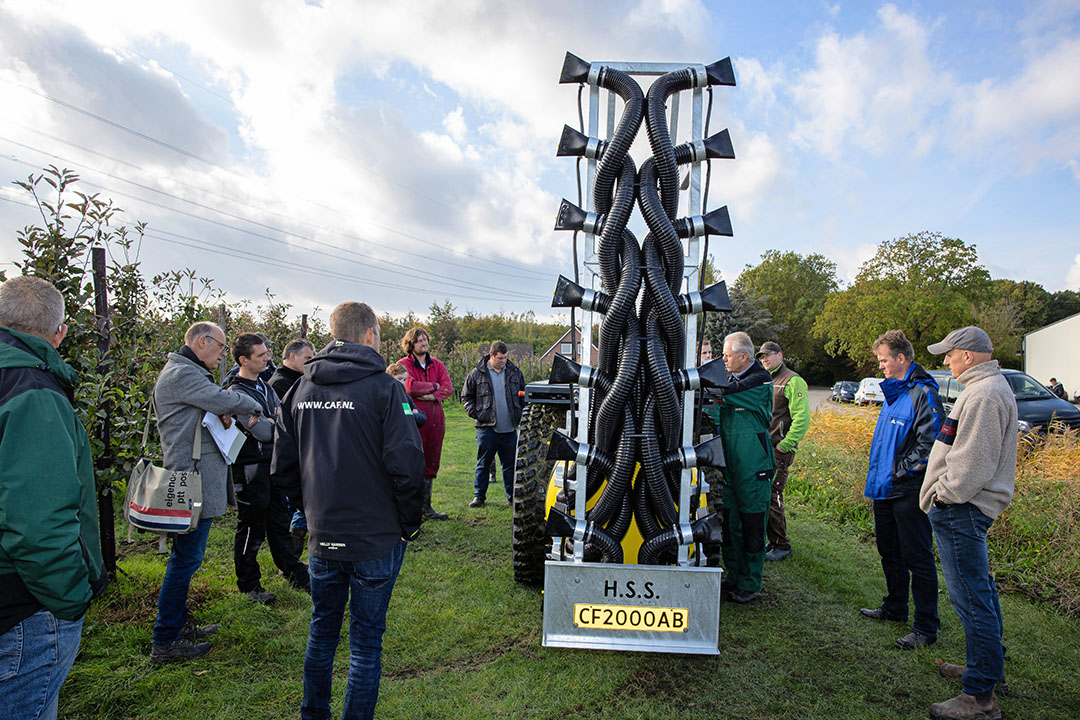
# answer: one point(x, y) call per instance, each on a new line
point(261, 511)
point(50, 552)
point(705, 354)
point(491, 399)
point(909, 420)
point(428, 384)
point(790, 421)
point(969, 482)
point(745, 411)
point(297, 352)
point(399, 373)
point(1057, 388)
point(185, 391)
point(347, 453)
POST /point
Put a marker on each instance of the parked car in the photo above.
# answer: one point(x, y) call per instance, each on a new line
point(1036, 407)
point(844, 391)
point(869, 392)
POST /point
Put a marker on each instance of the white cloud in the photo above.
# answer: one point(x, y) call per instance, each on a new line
point(876, 92)
point(455, 126)
point(1072, 277)
point(743, 183)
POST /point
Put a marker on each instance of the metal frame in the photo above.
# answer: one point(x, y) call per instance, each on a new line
point(692, 254)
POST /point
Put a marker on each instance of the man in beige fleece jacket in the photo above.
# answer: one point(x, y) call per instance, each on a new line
point(969, 482)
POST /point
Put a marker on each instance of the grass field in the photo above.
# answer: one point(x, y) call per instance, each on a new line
point(463, 641)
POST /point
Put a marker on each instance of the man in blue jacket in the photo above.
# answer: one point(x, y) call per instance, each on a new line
point(905, 432)
point(347, 451)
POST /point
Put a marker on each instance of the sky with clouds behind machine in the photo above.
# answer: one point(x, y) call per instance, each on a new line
point(404, 153)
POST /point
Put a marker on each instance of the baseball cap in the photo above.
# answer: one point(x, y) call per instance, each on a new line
point(970, 338)
point(768, 348)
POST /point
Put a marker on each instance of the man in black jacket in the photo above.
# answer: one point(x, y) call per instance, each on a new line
point(261, 512)
point(347, 450)
point(297, 352)
point(491, 399)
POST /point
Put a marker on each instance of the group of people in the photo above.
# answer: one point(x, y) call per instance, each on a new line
point(355, 446)
point(930, 476)
point(350, 445)
point(943, 477)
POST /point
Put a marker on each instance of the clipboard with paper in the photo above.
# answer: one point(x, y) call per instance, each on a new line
point(228, 440)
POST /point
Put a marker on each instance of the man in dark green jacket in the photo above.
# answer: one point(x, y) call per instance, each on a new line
point(50, 559)
point(745, 411)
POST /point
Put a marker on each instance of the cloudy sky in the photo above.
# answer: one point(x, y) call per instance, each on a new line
point(403, 153)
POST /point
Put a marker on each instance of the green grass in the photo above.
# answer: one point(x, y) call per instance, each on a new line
point(463, 641)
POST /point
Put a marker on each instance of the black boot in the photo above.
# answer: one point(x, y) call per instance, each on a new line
point(429, 512)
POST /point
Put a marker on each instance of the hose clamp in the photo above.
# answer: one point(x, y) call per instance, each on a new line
point(588, 299)
point(594, 74)
point(579, 530)
point(686, 534)
point(697, 226)
point(592, 148)
point(585, 376)
point(697, 151)
point(689, 457)
point(592, 223)
point(701, 77)
point(695, 302)
point(583, 454)
point(692, 379)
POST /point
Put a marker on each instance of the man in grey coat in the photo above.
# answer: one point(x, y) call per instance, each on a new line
point(184, 393)
point(969, 482)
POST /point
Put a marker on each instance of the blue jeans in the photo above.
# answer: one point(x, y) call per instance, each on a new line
point(35, 657)
point(906, 545)
point(370, 582)
point(188, 551)
point(488, 443)
point(960, 531)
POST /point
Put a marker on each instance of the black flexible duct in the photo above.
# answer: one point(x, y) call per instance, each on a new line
point(705, 530)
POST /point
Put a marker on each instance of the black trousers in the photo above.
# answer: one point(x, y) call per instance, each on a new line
point(262, 515)
point(905, 542)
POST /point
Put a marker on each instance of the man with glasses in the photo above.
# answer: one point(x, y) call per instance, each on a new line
point(185, 391)
point(261, 512)
point(790, 421)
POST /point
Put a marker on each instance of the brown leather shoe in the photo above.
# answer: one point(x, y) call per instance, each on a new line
point(967, 707)
point(956, 672)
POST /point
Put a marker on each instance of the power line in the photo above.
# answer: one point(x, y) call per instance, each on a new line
point(315, 226)
point(460, 284)
point(181, 151)
point(205, 246)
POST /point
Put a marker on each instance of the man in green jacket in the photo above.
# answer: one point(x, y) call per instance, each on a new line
point(790, 421)
point(745, 410)
point(50, 559)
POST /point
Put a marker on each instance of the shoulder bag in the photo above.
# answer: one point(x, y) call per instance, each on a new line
point(161, 500)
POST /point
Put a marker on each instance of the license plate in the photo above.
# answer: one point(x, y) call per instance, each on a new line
point(623, 617)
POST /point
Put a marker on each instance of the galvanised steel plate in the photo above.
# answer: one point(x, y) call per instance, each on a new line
point(632, 607)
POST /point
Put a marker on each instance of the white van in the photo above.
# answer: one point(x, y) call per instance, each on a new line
point(869, 392)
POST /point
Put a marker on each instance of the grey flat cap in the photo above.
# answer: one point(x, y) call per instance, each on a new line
point(970, 338)
point(768, 348)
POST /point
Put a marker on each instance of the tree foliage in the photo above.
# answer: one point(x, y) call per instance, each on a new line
point(749, 314)
point(925, 284)
point(794, 288)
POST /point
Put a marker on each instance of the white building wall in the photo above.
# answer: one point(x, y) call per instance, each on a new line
point(1054, 351)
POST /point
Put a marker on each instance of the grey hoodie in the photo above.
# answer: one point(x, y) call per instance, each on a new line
point(185, 391)
point(973, 459)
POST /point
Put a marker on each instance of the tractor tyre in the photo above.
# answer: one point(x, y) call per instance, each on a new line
point(532, 470)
